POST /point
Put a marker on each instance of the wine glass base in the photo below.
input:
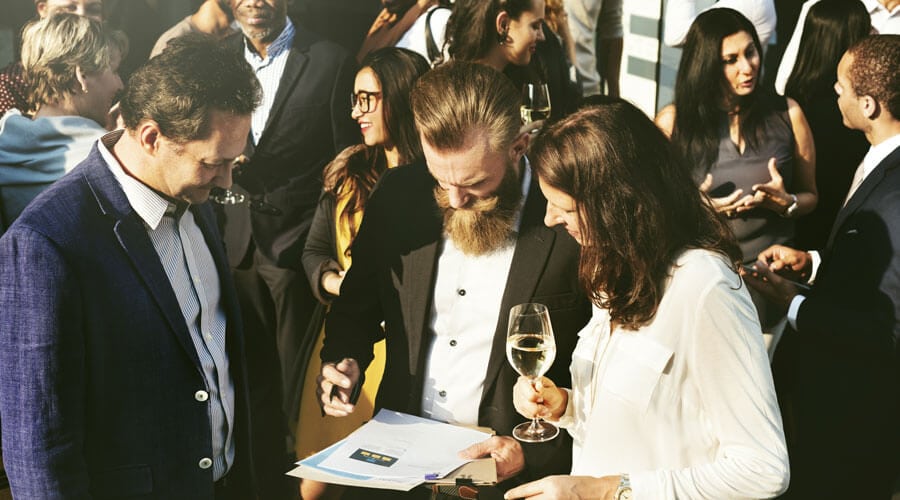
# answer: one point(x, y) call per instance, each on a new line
point(545, 431)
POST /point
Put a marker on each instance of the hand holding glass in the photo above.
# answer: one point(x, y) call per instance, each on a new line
point(531, 349)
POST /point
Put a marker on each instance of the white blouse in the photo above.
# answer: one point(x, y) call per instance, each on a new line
point(685, 405)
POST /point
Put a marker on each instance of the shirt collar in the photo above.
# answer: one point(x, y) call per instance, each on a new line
point(282, 43)
point(878, 153)
point(150, 206)
point(874, 5)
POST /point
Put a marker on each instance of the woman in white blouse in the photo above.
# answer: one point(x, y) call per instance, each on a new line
point(672, 393)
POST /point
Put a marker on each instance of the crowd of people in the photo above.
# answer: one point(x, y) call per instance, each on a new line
point(232, 260)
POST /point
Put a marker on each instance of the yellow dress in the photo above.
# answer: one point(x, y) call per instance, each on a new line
point(315, 432)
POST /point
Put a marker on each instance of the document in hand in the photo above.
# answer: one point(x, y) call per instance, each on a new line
point(392, 451)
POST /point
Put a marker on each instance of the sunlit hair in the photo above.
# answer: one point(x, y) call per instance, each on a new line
point(875, 70)
point(701, 90)
point(356, 169)
point(179, 88)
point(52, 48)
point(638, 206)
point(459, 98)
point(831, 27)
point(471, 28)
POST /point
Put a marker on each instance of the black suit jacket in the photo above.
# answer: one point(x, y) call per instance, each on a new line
point(308, 124)
point(392, 279)
point(841, 362)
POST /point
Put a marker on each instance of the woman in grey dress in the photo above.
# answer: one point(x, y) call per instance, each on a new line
point(752, 152)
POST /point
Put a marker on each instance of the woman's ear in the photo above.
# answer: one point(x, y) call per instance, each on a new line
point(502, 26)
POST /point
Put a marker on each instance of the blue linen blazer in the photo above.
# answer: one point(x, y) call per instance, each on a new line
point(99, 374)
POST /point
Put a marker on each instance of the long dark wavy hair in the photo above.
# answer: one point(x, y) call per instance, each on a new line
point(701, 90)
point(471, 30)
point(638, 206)
point(357, 169)
point(831, 27)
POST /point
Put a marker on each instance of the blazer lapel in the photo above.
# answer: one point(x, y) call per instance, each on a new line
point(859, 197)
point(421, 265)
point(533, 247)
point(296, 63)
point(132, 236)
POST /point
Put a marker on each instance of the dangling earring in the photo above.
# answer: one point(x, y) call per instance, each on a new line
point(503, 35)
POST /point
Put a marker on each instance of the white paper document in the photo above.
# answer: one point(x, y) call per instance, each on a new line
point(397, 446)
point(392, 451)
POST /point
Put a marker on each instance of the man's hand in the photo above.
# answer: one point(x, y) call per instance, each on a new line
point(779, 291)
point(336, 382)
point(506, 451)
point(567, 487)
point(539, 397)
point(792, 264)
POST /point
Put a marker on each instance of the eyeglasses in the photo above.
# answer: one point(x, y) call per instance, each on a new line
point(365, 99)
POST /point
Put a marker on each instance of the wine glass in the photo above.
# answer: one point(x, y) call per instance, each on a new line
point(225, 196)
point(531, 349)
point(535, 106)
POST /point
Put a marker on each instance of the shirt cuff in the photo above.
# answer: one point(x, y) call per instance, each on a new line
point(567, 420)
point(816, 261)
point(794, 309)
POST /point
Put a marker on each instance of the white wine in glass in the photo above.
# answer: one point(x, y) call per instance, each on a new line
point(531, 349)
point(535, 103)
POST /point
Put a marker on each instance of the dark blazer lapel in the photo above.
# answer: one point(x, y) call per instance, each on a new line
point(133, 237)
point(296, 63)
point(421, 265)
point(865, 189)
point(533, 247)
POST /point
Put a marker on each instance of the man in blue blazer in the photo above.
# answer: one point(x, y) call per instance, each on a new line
point(836, 370)
point(120, 335)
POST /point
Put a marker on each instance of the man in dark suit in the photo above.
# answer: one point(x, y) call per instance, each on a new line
point(837, 370)
point(120, 337)
point(303, 121)
point(445, 251)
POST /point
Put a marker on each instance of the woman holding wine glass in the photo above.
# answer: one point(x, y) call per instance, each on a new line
point(672, 394)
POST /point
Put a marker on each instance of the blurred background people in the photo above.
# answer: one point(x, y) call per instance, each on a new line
point(596, 26)
point(672, 395)
point(71, 65)
point(885, 17)
point(750, 151)
point(680, 15)
point(13, 90)
point(213, 17)
point(380, 104)
point(831, 27)
point(418, 25)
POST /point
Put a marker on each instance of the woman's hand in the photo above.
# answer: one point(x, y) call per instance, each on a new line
point(771, 195)
point(567, 487)
point(331, 282)
point(728, 204)
point(539, 398)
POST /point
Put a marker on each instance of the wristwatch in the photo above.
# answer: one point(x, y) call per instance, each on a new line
point(623, 492)
point(789, 211)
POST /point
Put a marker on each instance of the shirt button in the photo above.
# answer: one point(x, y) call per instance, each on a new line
point(201, 396)
point(443, 394)
point(208, 336)
point(205, 463)
point(453, 343)
point(461, 292)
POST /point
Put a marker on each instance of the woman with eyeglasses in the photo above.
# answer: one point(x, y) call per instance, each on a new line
point(380, 104)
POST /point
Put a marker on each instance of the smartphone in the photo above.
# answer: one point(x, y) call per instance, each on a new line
point(722, 190)
point(751, 269)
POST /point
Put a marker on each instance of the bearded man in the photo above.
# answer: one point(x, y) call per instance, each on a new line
point(445, 250)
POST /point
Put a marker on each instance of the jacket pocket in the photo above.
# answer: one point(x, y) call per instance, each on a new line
point(123, 481)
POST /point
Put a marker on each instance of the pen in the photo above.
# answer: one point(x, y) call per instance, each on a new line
point(333, 394)
point(432, 476)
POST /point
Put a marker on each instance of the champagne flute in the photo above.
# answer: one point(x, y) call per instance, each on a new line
point(225, 196)
point(531, 349)
point(535, 103)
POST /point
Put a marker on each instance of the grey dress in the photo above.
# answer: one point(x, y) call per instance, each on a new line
point(760, 228)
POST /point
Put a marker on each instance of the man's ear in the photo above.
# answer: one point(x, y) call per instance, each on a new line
point(82, 81)
point(869, 107)
point(520, 145)
point(149, 136)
